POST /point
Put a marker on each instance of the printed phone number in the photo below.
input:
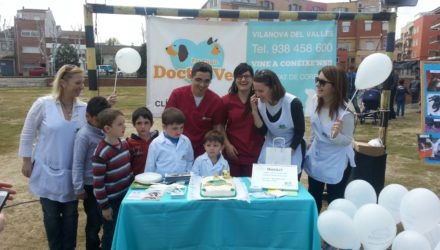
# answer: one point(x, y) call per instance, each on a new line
point(302, 48)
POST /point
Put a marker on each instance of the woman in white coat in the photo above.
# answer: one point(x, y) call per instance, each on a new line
point(331, 153)
point(278, 114)
point(55, 119)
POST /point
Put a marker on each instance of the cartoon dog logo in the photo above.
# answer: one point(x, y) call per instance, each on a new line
point(184, 53)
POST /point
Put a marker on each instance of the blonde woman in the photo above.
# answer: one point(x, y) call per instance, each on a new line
point(55, 118)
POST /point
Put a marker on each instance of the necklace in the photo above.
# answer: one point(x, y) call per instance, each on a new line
point(67, 110)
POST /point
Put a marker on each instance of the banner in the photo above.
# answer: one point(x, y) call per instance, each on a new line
point(429, 143)
point(174, 45)
point(294, 50)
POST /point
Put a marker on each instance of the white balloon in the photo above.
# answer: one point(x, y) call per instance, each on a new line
point(373, 70)
point(128, 60)
point(343, 205)
point(420, 210)
point(433, 236)
point(375, 226)
point(410, 240)
point(390, 198)
point(337, 229)
point(360, 193)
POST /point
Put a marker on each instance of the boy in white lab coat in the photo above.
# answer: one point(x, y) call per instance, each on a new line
point(211, 162)
point(171, 152)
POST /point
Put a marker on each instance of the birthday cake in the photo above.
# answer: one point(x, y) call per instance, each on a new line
point(217, 187)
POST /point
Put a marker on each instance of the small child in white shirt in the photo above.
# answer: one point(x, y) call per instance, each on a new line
point(211, 162)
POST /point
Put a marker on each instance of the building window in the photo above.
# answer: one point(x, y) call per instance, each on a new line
point(385, 26)
point(294, 7)
point(347, 46)
point(31, 50)
point(316, 8)
point(346, 26)
point(268, 5)
point(368, 25)
point(340, 45)
point(352, 60)
point(369, 45)
point(30, 33)
point(340, 9)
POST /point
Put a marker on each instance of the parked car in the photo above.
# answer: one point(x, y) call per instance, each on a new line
point(34, 71)
point(105, 69)
point(38, 71)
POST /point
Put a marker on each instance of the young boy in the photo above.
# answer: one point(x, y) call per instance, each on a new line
point(211, 162)
point(112, 173)
point(139, 143)
point(86, 141)
point(171, 152)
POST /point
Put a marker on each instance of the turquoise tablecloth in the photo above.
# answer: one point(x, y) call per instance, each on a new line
point(283, 223)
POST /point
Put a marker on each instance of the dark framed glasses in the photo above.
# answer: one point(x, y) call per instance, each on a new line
point(321, 82)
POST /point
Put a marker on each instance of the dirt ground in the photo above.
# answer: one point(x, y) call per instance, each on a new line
point(24, 229)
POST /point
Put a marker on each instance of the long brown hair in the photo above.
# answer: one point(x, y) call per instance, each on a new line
point(238, 71)
point(338, 79)
point(271, 80)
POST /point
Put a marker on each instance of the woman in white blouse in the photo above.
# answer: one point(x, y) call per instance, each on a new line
point(331, 153)
point(53, 121)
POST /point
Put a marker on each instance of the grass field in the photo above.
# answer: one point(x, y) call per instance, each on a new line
point(25, 224)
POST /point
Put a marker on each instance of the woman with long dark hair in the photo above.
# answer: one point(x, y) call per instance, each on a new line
point(243, 142)
point(278, 114)
point(330, 155)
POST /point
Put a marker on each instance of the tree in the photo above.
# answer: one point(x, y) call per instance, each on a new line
point(112, 41)
point(66, 54)
point(142, 71)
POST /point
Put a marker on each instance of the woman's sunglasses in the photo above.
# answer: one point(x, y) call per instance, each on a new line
point(321, 82)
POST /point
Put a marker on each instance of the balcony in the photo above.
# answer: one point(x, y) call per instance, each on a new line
point(434, 39)
point(436, 24)
point(434, 55)
point(246, 4)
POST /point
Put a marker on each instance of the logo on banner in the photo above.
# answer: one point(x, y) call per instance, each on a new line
point(184, 53)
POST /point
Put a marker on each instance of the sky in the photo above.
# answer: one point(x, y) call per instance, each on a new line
point(128, 29)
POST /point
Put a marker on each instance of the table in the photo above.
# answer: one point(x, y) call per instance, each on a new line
point(282, 223)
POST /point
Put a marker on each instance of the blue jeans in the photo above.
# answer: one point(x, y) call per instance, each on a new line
point(401, 107)
point(94, 219)
point(61, 223)
point(109, 225)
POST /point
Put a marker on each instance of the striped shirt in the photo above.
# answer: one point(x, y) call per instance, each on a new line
point(112, 174)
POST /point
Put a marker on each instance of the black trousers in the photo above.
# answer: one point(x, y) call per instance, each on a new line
point(334, 191)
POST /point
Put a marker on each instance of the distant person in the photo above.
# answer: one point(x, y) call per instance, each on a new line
point(401, 93)
point(171, 152)
point(201, 106)
point(142, 120)
point(278, 114)
point(5, 187)
point(112, 174)
point(55, 119)
point(211, 162)
point(415, 90)
point(330, 156)
point(391, 84)
point(86, 141)
point(242, 141)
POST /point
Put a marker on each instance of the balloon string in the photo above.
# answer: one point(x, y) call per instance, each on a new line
point(333, 134)
point(116, 79)
point(348, 104)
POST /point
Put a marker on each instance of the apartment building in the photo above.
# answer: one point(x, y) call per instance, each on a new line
point(356, 39)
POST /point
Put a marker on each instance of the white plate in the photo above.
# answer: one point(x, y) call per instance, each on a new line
point(148, 178)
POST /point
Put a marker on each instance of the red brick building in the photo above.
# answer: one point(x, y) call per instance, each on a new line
point(356, 39)
point(424, 39)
